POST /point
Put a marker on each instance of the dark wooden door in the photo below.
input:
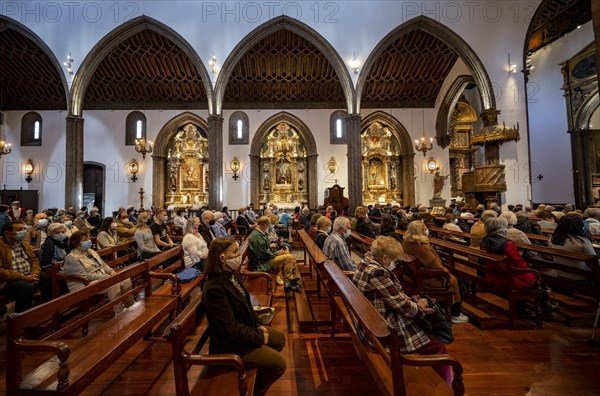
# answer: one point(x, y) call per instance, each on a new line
point(93, 185)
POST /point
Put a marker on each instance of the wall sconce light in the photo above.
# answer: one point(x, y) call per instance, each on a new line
point(29, 170)
point(143, 146)
point(332, 165)
point(354, 64)
point(235, 167)
point(134, 168)
point(512, 68)
point(432, 165)
point(68, 63)
point(212, 64)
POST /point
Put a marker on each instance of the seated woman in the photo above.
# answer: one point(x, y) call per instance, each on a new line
point(388, 227)
point(312, 229)
point(179, 219)
point(56, 245)
point(84, 261)
point(569, 235)
point(233, 324)
point(374, 278)
point(67, 220)
point(451, 224)
point(217, 228)
point(514, 234)
point(194, 246)
point(416, 243)
point(323, 231)
point(495, 241)
point(362, 227)
point(144, 239)
point(107, 237)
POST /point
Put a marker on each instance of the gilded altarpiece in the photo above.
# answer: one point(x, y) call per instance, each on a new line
point(380, 165)
point(187, 167)
point(462, 155)
point(283, 167)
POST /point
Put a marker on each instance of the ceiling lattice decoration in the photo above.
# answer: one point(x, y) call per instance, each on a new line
point(556, 18)
point(29, 80)
point(283, 71)
point(409, 72)
point(146, 71)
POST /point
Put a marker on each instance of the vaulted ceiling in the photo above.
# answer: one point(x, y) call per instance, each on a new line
point(146, 71)
point(282, 71)
point(29, 80)
point(555, 18)
point(409, 72)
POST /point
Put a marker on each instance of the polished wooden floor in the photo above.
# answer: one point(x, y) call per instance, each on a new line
point(556, 360)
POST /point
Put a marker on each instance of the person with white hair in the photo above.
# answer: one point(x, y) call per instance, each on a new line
point(514, 234)
point(592, 221)
point(207, 221)
point(335, 246)
point(478, 231)
point(56, 245)
point(217, 228)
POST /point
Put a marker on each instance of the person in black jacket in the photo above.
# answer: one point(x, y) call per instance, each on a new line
point(56, 245)
point(362, 227)
point(234, 326)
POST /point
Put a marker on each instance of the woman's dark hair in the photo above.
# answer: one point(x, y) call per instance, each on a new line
point(297, 209)
point(568, 227)
point(388, 224)
point(179, 211)
point(76, 238)
point(450, 217)
point(217, 247)
point(544, 214)
point(225, 209)
point(106, 224)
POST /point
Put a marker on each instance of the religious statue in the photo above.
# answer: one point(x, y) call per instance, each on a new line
point(393, 182)
point(438, 184)
point(266, 183)
point(300, 183)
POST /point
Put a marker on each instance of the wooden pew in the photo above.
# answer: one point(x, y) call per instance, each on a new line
point(307, 320)
point(463, 261)
point(394, 373)
point(259, 284)
point(359, 243)
point(79, 360)
point(224, 374)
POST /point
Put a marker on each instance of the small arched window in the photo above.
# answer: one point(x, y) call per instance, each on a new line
point(31, 129)
point(337, 127)
point(135, 127)
point(239, 128)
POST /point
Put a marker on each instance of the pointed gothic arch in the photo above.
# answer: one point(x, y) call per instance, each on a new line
point(159, 155)
point(450, 38)
point(407, 154)
point(113, 39)
point(311, 154)
point(7, 23)
point(583, 117)
point(268, 28)
point(442, 121)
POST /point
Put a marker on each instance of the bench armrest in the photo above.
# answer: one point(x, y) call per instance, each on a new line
point(174, 279)
point(223, 359)
point(435, 361)
point(256, 274)
point(72, 278)
point(59, 348)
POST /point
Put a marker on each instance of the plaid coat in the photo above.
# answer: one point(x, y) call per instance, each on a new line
point(384, 291)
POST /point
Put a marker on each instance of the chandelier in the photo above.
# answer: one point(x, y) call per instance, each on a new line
point(143, 147)
point(5, 148)
point(424, 148)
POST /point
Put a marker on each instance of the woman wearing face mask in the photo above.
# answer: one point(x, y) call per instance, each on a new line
point(107, 237)
point(382, 288)
point(452, 225)
point(84, 261)
point(217, 227)
point(416, 243)
point(323, 230)
point(194, 246)
point(388, 227)
point(67, 220)
point(234, 327)
point(56, 246)
point(144, 239)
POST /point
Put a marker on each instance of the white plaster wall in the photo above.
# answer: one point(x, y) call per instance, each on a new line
point(550, 142)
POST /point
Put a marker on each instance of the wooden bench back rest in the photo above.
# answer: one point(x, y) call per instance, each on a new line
point(128, 246)
point(36, 316)
point(164, 256)
point(361, 241)
point(178, 334)
point(315, 252)
point(440, 231)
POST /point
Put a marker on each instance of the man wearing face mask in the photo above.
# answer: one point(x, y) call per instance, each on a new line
point(20, 272)
point(16, 212)
point(335, 246)
point(159, 232)
point(36, 235)
point(205, 229)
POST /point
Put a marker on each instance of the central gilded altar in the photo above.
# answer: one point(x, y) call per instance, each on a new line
point(187, 167)
point(283, 167)
point(380, 165)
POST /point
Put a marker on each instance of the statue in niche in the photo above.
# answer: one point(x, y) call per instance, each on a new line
point(376, 167)
point(438, 184)
point(266, 183)
point(206, 180)
point(393, 182)
point(300, 183)
point(284, 173)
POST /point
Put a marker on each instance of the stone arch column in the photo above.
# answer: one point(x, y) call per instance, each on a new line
point(159, 154)
point(311, 154)
point(450, 38)
point(407, 153)
point(266, 29)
